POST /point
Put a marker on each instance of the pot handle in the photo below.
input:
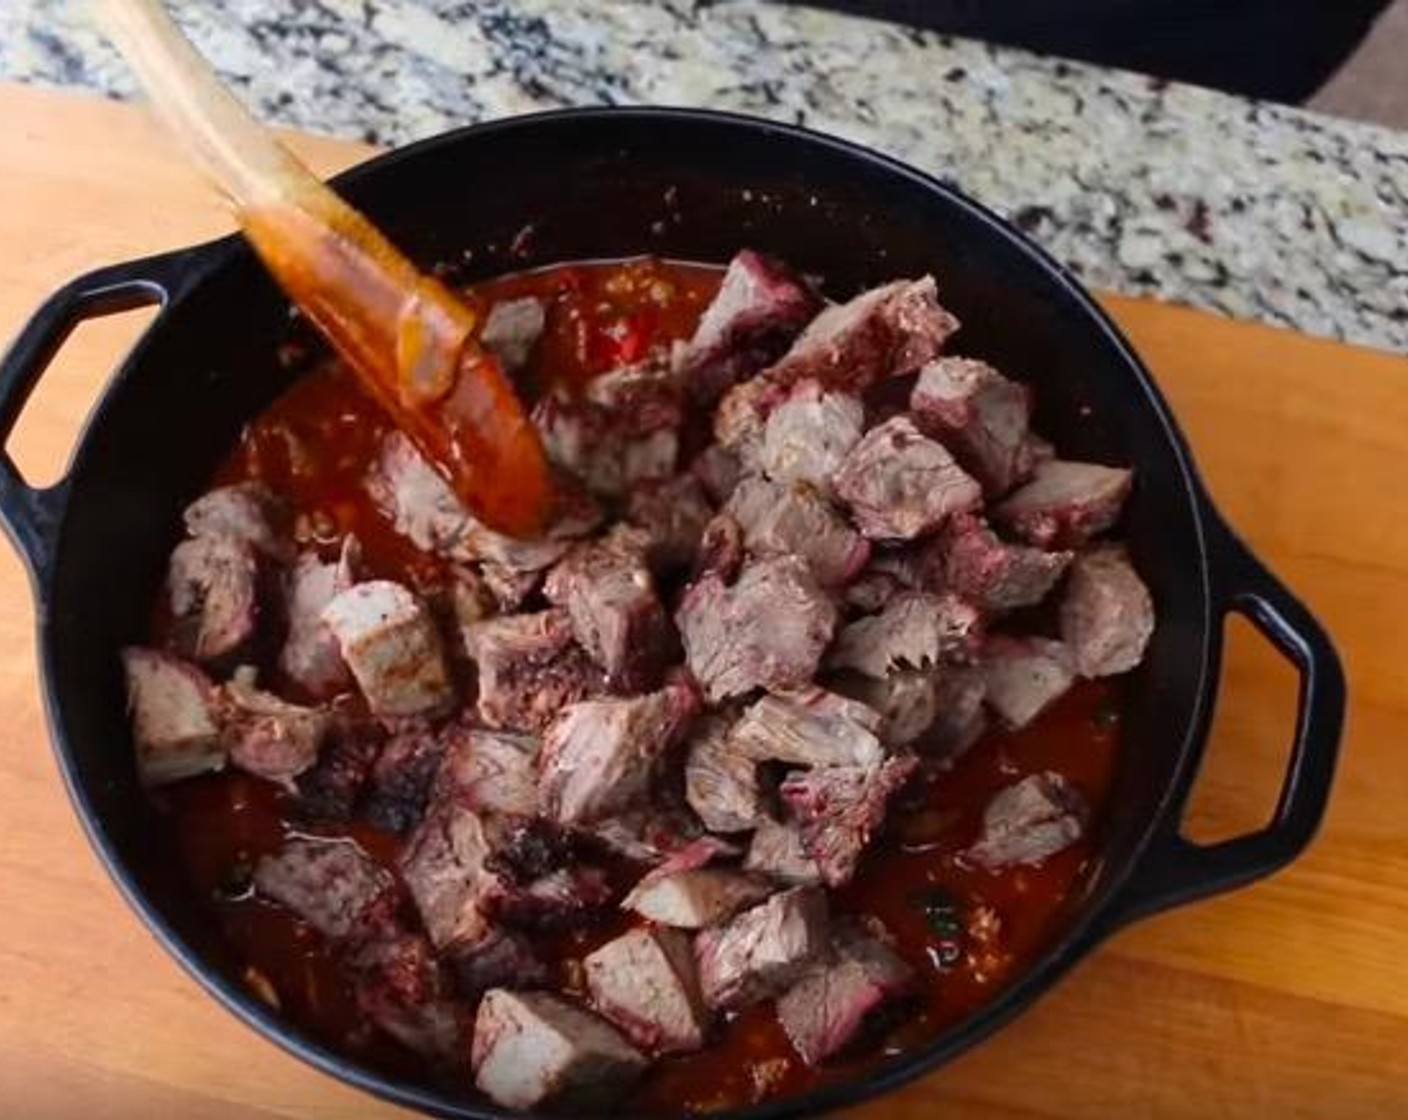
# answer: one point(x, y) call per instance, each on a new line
point(1174, 869)
point(30, 514)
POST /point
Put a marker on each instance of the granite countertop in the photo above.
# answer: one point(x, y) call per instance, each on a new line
point(1141, 186)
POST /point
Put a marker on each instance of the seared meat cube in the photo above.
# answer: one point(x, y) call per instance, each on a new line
point(647, 834)
point(916, 630)
point(795, 520)
point(246, 512)
point(501, 957)
point(718, 471)
point(1024, 676)
point(871, 590)
point(330, 790)
point(399, 986)
point(268, 737)
point(1025, 823)
point(511, 330)
point(172, 705)
point(529, 669)
point(685, 892)
point(907, 701)
point(741, 418)
point(400, 781)
point(390, 643)
point(809, 728)
point(310, 656)
point(720, 781)
point(1066, 503)
point(776, 850)
point(330, 884)
point(760, 306)
point(490, 771)
point(827, 1009)
point(899, 484)
point(1107, 615)
point(809, 434)
point(527, 849)
point(980, 416)
point(532, 1050)
point(993, 574)
point(673, 515)
point(444, 867)
point(646, 983)
point(609, 595)
point(962, 718)
point(768, 630)
point(840, 808)
point(764, 950)
point(599, 756)
point(560, 898)
point(212, 592)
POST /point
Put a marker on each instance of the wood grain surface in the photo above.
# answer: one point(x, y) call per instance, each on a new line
point(1288, 999)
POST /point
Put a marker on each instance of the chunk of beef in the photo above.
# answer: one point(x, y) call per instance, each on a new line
point(768, 630)
point(721, 551)
point(172, 705)
point(532, 1050)
point(529, 669)
point(645, 981)
point(899, 484)
point(501, 957)
point(444, 867)
point(1024, 676)
point(687, 893)
point(828, 1008)
point(995, 575)
point(390, 643)
point(962, 719)
point(741, 418)
point(980, 416)
point(720, 781)
point(268, 737)
point(916, 630)
point(784, 519)
point(840, 808)
point(399, 985)
point(331, 789)
point(907, 701)
point(1107, 615)
point(647, 834)
point(673, 515)
point(331, 884)
point(212, 591)
point(489, 771)
point(811, 727)
point(599, 756)
point(1066, 503)
point(511, 330)
point(247, 512)
point(871, 590)
point(527, 849)
point(310, 656)
point(558, 899)
point(617, 617)
point(762, 951)
point(1029, 821)
point(776, 850)
point(809, 434)
point(718, 471)
point(399, 785)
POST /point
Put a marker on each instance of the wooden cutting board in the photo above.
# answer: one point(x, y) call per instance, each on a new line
point(1288, 999)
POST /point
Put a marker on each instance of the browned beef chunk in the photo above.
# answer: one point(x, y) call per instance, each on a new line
point(768, 630)
point(527, 849)
point(501, 957)
point(332, 788)
point(718, 470)
point(529, 669)
point(980, 416)
point(762, 951)
point(993, 574)
point(1029, 821)
point(532, 1050)
point(489, 771)
point(599, 756)
point(511, 330)
point(776, 850)
point(647, 834)
point(559, 899)
point(721, 782)
point(673, 515)
point(1024, 676)
point(330, 884)
point(721, 551)
point(809, 434)
point(785, 519)
point(828, 1008)
point(871, 590)
point(1107, 616)
point(616, 614)
point(212, 589)
point(962, 718)
point(645, 981)
point(760, 307)
point(811, 727)
point(687, 893)
point(444, 867)
point(907, 701)
point(399, 985)
point(916, 630)
point(310, 655)
point(899, 484)
point(247, 512)
point(840, 808)
point(268, 737)
point(399, 785)
point(172, 705)
point(1066, 503)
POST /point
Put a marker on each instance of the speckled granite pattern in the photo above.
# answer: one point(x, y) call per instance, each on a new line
point(1143, 187)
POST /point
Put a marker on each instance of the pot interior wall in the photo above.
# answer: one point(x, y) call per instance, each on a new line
point(609, 185)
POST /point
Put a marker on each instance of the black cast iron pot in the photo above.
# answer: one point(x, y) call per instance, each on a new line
point(693, 185)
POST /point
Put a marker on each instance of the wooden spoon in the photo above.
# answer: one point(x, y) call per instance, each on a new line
point(410, 340)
